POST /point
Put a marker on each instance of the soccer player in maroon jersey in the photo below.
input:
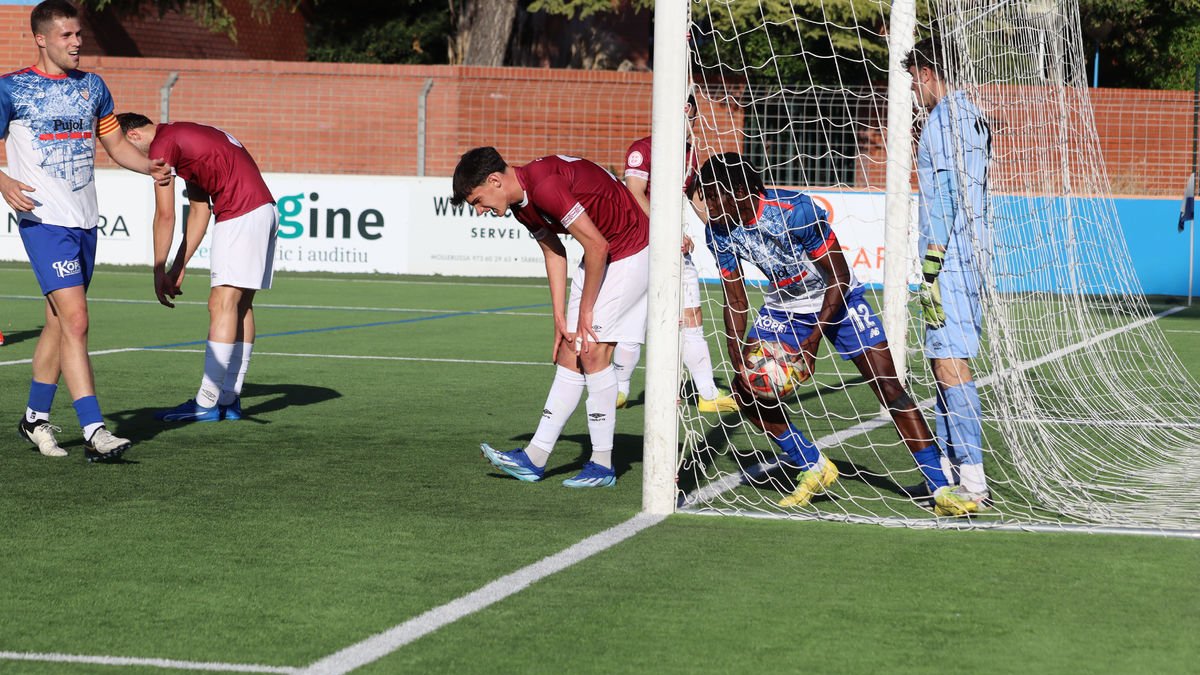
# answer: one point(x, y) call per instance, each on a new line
point(568, 195)
point(217, 169)
point(693, 346)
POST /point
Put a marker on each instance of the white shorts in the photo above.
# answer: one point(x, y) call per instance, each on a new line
point(620, 312)
point(690, 278)
point(243, 249)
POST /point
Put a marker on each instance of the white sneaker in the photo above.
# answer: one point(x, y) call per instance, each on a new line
point(41, 434)
point(104, 446)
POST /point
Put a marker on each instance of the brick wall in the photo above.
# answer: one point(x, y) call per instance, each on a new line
point(362, 118)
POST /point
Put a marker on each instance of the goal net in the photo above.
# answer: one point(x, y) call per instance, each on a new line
point(1090, 419)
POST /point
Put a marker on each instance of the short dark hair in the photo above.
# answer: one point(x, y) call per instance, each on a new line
point(49, 10)
point(926, 54)
point(129, 120)
point(473, 169)
point(731, 171)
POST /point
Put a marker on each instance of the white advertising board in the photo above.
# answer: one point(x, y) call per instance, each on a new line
point(401, 225)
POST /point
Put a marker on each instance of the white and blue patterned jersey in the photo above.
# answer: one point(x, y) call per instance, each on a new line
point(955, 147)
point(50, 127)
point(787, 234)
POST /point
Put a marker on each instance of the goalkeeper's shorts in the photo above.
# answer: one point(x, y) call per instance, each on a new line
point(959, 338)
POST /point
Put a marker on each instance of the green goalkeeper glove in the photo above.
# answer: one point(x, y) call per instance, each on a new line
point(930, 294)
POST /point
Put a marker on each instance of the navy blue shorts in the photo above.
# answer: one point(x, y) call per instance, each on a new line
point(853, 330)
point(61, 257)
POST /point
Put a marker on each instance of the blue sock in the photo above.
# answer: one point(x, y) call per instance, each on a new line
point(964, 415)
point(41, 398)
point(798, 448)
point(87, 409)
point(930, 463)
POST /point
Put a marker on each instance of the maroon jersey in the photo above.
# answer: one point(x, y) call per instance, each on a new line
point(559, 188)
point(215, 161)
point(637, 163)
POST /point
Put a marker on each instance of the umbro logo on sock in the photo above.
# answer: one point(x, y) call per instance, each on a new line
point(546, 412)
point(596, 417)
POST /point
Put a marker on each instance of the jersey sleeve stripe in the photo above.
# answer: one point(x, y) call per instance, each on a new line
point(829, 245)
point(107, 125)
point(572, 215)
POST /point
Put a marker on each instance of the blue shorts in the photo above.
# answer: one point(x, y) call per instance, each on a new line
point(959, 338)
point(853, 330)
point(61, 257)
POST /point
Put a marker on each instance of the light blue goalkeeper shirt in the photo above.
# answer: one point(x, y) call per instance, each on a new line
point(952, 171)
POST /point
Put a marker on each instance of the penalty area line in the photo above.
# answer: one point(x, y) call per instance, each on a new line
point(171, 664)
point(381, 644)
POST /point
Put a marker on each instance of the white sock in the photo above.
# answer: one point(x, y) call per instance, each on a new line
point(698, 362)
point(216, 365)
point(602, 414)
point(625, 359)
point(239, 362)
point(949, 469)
point(91, 429)
point(973, 478)
point(32, 416)
point(561, 402)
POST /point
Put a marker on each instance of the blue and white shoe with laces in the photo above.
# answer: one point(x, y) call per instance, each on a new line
point(514, 463)
point(189, 411)
point(593, 475)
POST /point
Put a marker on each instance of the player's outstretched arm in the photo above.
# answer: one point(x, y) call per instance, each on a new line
point(127, 155)
point(556, 275)
point(595, 258)
point(162, 232)
point(735, 313)
point(199, 215)
point(640, 188)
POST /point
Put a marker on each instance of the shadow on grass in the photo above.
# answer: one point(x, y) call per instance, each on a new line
point(139, 425)
point(17, 336)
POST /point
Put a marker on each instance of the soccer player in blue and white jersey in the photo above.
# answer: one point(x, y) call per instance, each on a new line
point(811, 294)
point(50, 115)
point(952, 170)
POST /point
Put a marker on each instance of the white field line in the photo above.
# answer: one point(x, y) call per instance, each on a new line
point(380, 645)
point(102, 352)
point(260, 305)
point(367, 357)
point(731, 481)
point(422, 359)
point(290, 279)
point(152, 663)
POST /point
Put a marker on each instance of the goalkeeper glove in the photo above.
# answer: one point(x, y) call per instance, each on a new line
point(930, 294)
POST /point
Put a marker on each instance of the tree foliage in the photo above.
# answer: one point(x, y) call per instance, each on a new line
point(380, 31)
point(211, 14)
point(1151, 44)
point(776, 40)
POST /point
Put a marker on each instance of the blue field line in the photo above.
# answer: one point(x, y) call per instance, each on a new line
point(373, 324)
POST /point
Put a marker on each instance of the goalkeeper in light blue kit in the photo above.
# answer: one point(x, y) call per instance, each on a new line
point(952, 170)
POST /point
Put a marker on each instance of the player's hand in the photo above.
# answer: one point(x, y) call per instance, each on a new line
point(804, 362)
point(164, 289)
point(160, 172)
point(14, 193)
point(584, 334)
point(561, 335)
point(930, 295)
point(688, 245)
